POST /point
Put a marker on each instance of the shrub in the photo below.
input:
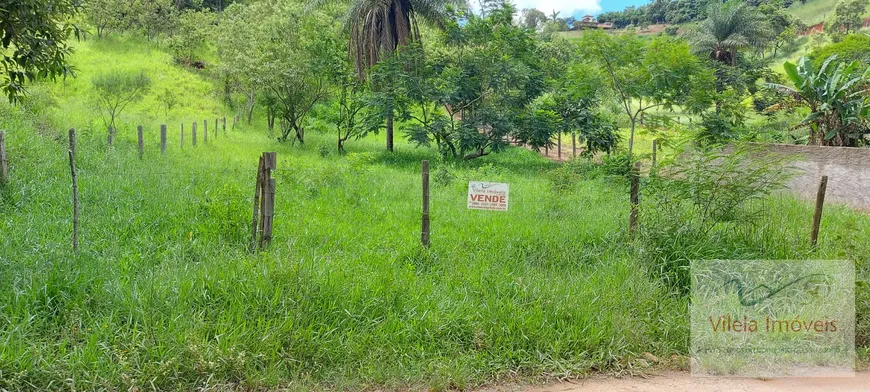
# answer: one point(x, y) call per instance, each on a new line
point(113, 91)
point(562, 178)
point(701, 193)
point(617, 164)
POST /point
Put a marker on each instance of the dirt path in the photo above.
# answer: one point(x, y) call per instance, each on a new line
point(684, 382)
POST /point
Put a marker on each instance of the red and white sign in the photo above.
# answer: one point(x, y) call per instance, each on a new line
point(490, 196)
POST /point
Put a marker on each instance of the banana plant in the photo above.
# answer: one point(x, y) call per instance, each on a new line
point(836, 96)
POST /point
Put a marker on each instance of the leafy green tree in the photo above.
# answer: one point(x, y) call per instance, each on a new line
point(532, 18)
point(114, 90)
point(378, 28)
point(241, 46)
point(784, 26)
point(730, 27)
point(105, 15)
point(643, 76)
point(295, 66)
point(847, 19)
point(837, 97)
point(191, 35)
point(487, 78)
point(348, 112)
point(151, 17)
point(33, 36)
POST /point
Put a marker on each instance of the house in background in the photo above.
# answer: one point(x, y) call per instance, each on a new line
point(589, 22)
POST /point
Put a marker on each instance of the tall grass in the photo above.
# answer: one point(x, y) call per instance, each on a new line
point(164, 295)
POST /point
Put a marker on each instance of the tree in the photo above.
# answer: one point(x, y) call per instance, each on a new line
point(348, 109)
point(554, 16)
point(576, 99)
point(33, 35)
point(532, 18)
point(729, 27)
point(847, 19)
point(193, 30)
point(379, 27)
point(295, 66)
point(114, 90)
point(660, 74)
point(784, 26)
point(105, 15)
point(151, 17)
point(836, 97)
point(485, 83)
point(242, 45)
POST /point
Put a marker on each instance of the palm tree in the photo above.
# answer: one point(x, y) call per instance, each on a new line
point(378, 27)
point(729, 27)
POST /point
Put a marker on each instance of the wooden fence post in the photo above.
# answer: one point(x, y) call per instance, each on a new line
point(111, 137)
point(205, 131)
point(4, 163)
point(424, 234)
point(268, 211)
point(163, 138)
point(267, 203)
point(141, 141)
point(75, 188)
point(817, 215)
point(224, 124)
point(258, 189)
point(193, 134)
point(655, 149)
point(634, 198)
point(216, 128)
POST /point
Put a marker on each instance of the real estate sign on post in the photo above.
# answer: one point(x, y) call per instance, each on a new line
point(490, 196)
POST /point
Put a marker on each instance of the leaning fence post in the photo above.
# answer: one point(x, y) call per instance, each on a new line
point(205, 131)
point(634, 198)
point(817, 215)
point(4, 164)
point(163, 138)
point(75, 188)
point(258, 188)
point(424, 234)
point(141, 141)
point(193, 134)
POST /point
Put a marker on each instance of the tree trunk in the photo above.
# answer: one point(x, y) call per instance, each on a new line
point(250, 106)
point(631, 140)
point(390, 132)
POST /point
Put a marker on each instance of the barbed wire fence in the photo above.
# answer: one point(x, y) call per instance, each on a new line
point(263, 200)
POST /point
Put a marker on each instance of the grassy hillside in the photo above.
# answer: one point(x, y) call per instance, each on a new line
point(164, 294)
point(813, 11)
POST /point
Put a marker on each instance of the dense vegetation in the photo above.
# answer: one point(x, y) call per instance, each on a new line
point(165, 294)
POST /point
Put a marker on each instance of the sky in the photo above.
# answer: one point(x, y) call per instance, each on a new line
point(578, 8)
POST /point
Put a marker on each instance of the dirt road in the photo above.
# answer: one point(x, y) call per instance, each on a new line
point(684, 382)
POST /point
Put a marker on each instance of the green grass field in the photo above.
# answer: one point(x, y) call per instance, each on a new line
point(164, 294)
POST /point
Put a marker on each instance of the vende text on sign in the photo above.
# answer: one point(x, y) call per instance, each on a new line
point(490, 196)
